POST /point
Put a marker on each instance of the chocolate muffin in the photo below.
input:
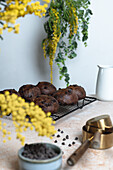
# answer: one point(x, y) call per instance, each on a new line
point(11, 91)
point(29, 92)
point(66, 96)
point(25, 87)
point(80, 92)
point(46, 88)
point(47, 103)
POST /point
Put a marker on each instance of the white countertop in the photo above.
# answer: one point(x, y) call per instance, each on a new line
point(71, 125)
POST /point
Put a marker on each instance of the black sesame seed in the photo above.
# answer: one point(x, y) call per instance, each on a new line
point(67, 136)
point(55, 141)
point(73, 143)
point(62, 132)
point(58, 130)
point(58, 136)
point(63, 143)
point(69, 145)
point(63, 139)
point(76, 138)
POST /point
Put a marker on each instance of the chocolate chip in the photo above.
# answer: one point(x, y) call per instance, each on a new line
point(63, 139)
point(74, 85)
point(46, 104)
point(53, 100)
point(69, 91)
point(49, 104)
point(55, 96)
point(38, 151)
point(63, 143)
point(76, 138)
point(73, 143)
point(58, 136)
point(30, 96)
point(67, 136)
point(53, 135)
point(55, 141)
point(69, 145)
point(26, 146)
point(42, 107)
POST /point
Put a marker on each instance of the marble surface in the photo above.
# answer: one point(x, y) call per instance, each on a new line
point(71, 125)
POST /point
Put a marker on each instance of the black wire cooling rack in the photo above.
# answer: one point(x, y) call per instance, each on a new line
point(65, 110)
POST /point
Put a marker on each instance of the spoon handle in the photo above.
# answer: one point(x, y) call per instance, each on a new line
point(72, 160)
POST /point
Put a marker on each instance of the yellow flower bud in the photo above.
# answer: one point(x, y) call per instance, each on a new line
point(9, 138)
point(4, 141)
point(6, 93)
point(1, 31)
point(8, 133)
point(4, 136)
point(10, 29)
point(4, 131)
point(4, 124)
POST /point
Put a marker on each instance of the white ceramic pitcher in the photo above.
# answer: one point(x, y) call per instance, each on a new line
point(104, 85)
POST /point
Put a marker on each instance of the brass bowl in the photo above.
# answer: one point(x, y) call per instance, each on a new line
point(106, 139)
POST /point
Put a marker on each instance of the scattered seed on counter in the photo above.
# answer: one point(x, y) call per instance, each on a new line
point(62, 132)
point(69, 145)
point(73, 143)
point(63, 143)
point(67, 136)
point(63, 139)
point(76, 138)
point(58, 136)
point(55, 141)
point(58, 130)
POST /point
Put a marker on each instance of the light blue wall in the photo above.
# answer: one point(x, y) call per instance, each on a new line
point(22, 61)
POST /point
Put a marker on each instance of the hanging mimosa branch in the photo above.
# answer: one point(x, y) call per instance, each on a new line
point(67, 19)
